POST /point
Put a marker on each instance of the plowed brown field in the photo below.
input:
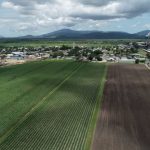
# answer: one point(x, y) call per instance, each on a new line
point(124, 119)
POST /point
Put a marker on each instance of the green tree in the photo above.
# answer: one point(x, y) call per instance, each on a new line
point(99, 58)
point(90, 57)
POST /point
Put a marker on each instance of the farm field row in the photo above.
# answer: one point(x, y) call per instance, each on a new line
point(49, 105)
point(23, 86)
point(124, 120)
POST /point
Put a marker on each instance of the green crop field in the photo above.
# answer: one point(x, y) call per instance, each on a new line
point(49, 105)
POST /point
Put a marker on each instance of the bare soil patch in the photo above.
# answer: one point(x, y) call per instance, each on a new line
point(124, 119)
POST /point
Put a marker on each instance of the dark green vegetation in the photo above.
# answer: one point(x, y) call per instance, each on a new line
point(49, 105)
point(4, 43)
point(22, 86)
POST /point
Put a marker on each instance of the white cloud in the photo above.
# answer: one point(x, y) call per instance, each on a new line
point(7, 4)
point(99, 10)
point(38, 14)
point(147, 26)
point(10, 5)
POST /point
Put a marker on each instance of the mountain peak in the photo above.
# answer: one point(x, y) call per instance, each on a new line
point(144, 33)
point(72, 34)
point(65, 30)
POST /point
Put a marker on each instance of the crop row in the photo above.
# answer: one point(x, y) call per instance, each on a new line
point(20, 95)
point(62, 121)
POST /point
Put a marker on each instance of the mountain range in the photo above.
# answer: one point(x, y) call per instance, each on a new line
point(72, 34)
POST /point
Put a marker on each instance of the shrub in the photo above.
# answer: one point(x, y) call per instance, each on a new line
point(90, 58)
point(99, 58)
point(137, 61)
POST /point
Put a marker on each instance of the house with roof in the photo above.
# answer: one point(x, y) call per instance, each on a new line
point(16, 55)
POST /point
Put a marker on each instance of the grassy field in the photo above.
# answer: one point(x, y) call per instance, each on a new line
point(49, 105)
point(46, 43)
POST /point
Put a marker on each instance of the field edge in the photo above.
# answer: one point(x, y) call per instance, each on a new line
point(94, 118)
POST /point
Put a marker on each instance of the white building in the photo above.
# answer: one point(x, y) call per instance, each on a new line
point(16, 55)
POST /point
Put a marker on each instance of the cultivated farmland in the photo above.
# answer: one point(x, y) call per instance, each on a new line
point(124, 120)
point(49, 105)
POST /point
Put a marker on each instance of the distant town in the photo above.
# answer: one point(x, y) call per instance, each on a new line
point(131, 52)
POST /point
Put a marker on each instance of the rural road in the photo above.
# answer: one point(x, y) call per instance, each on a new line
point(124, 119)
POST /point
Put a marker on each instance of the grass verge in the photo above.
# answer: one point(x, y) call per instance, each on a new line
point(94, 118)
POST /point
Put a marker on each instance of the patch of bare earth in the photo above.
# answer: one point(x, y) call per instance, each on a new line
point(124, 119)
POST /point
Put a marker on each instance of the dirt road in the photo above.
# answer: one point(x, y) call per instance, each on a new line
point(124, 119)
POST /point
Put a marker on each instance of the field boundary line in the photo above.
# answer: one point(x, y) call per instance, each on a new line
point(96, 112)
point(34, 108)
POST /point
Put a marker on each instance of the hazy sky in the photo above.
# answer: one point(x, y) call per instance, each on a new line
point(21, 17)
